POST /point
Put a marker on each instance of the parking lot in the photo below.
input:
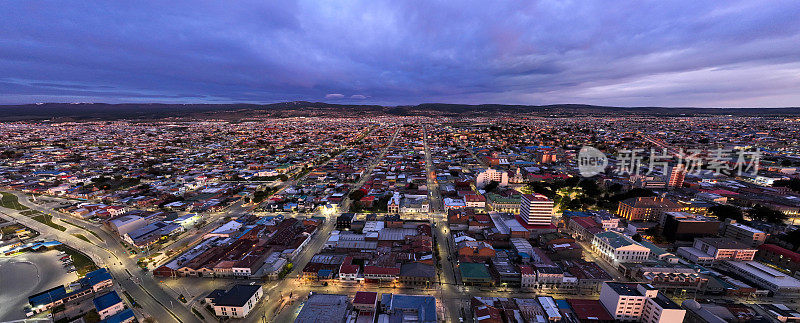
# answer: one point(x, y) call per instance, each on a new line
point(27, 274)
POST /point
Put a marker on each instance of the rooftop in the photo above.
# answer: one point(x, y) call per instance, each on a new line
point(237, 296)
point(106, 300)
point(624, 289)
point(324, 308)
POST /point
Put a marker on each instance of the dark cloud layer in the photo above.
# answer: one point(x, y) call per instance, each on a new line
point(629, 53)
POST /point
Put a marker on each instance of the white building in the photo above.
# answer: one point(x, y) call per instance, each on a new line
point(226, 230)
point(706, 251)
point(536, 209)
point(618, 248)
point(127, 224)
point(236, 302)
point(764, 276)
point(490, 175)
point(742, 233)
point(108, 304)
point(414, 204)
point(639, 303)
point(528, 277)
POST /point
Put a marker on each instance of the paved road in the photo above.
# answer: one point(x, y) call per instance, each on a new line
point(436, 204)
point(109, 253)
point(450, 291)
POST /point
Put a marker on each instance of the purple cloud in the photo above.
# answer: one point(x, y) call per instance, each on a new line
point(334, 96)
point(670, 53)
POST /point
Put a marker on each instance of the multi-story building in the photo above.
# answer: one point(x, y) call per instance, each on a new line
point(618, 248)
point(687, 226)
point(499, 203)
point(491, 175)
point(639, 303)
point(646, 208)
point(235, 302)
point(675, 175)
point(536, 209)
point(583, 227)
point(108, 304)
point(706, 251)
point(742, 233)
point(528, 279)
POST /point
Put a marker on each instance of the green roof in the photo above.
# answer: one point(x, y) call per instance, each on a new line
point(502, 199)
point(655, 250)
point(474, 271)
point(616, 240)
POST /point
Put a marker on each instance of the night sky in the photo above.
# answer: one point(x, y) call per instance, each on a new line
point(624, 53)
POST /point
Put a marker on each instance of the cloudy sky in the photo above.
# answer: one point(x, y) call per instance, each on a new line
point(626, 53)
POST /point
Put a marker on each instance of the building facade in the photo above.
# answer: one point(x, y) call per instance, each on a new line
point(536, 209)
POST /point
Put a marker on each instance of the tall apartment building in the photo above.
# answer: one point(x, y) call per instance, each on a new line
point(646, 208)
point(491, 175)
point(536, 209)
point(742, 233)
point(675, 175)
point(639, 303)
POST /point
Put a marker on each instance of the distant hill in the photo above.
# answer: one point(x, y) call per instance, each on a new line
point(103, 111)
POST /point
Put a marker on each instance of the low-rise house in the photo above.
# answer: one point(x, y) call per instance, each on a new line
point(108, 304)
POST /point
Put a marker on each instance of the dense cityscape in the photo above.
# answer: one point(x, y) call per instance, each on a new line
point(379, 161)
point(401, 219)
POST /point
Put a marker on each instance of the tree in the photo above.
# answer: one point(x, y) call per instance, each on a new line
point(637, 237)
point(793, 184)
point(491, 186)
point(763, 213)
point(91, 317)
point(357, 195)
point(723, 212)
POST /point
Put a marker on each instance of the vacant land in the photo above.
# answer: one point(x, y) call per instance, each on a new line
point(48, 219)
point(10, 201)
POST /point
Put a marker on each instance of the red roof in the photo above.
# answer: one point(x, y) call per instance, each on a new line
point(482, 217)
point(585, 221)
point(525, 270)
point(348, 269)
point(365, 298)
point(723, 192)
point(795, 257)
point(535, 197)
point(589, 309)
point(375, 270)
point(525, 224)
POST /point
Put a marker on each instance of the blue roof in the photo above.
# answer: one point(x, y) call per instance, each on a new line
point(123, 316)
point(106, 300)
point(324, 272)
point(48, 296)
point(97, 276)
point(425, 306)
